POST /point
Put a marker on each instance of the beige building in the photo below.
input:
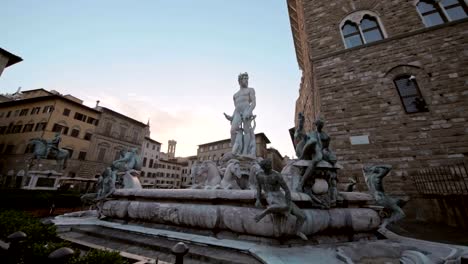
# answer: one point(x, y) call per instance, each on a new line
point(7, 59)
point(40, 114)
point(115, 133)
point(151, 152)
point(187, 170)
point(94, 137)
point(277, 161)
point(160, 171)
point(169, 174)
point(215, 150)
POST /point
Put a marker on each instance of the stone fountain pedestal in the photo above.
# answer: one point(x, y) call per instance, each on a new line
point(218, 227)
point(230, 213)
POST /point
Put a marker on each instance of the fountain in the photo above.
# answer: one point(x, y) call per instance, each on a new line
point(296, 216)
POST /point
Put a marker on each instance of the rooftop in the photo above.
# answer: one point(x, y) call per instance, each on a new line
point(105, 109)
point(152, 140)
point(227, 140)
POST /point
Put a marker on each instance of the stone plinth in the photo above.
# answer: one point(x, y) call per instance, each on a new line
point(232, 211)
point(42, 180)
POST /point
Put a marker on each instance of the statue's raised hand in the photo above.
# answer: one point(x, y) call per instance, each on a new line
point(228, 117)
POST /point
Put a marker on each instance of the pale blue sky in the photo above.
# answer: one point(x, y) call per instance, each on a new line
point(174, 62)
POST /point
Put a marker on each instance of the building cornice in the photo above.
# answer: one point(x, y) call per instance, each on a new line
point(112, 112)
point(45, 98)
point(293, 18)
point(12, 58)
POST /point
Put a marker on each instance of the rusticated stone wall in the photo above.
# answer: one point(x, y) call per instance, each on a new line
point(357, 95)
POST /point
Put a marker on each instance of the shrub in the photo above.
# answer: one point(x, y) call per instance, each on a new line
point(99, 257)
point(42, 240)
point(12, 221)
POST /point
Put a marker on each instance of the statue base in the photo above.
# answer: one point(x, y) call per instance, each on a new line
point(233, 211)
point(41, 180)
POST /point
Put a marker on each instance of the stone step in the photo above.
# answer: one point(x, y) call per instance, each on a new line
point(153, 247)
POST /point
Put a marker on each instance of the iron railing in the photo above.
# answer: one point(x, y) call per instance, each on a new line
point(443, 180)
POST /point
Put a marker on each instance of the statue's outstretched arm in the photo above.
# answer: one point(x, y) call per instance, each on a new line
point(228, 117)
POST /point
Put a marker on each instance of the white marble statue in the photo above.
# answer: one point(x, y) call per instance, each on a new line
point(241, 119)
point(232, 170)
point(206, 175)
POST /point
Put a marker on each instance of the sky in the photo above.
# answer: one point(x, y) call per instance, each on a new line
point(172, 62)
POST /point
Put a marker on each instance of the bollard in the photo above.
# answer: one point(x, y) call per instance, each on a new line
point(179, 250)
point(15, 239)
point(61, 255)
point(14, 248)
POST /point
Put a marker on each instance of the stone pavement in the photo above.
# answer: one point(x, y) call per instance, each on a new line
point(430, 231)
point(264, 253)
point(350, 252)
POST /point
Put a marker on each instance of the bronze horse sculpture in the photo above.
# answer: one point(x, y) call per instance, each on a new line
point(40, 152)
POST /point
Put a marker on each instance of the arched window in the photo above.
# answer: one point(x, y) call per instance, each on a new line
point(361, 28)
point(438, 12)
point(410, 95)
point(370, 29)
point(431, 13)
point(455, 9)
point(351, 35)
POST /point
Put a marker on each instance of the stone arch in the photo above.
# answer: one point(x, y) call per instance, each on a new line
point(419, 73)
point(356, 17)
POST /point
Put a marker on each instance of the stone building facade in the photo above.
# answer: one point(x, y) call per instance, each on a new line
point(216, 149)
point(187, 170)
point(161, 171)
point(150, 153)
point(115, 133)
point(276, 158)
point(389, 78)
point(40, 114)
point(169, 174)
point(93, 137)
